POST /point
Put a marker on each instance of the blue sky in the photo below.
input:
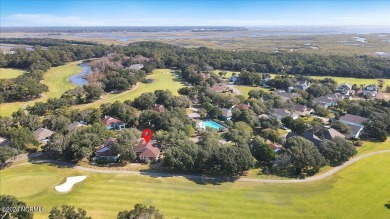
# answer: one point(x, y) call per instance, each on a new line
point(188, 13)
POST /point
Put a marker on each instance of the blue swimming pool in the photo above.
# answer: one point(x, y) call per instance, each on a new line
point(212, 124)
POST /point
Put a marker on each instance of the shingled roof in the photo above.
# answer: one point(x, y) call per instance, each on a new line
point(331, 134)
point(42, 134)
point(353, 119)
point(108, 120)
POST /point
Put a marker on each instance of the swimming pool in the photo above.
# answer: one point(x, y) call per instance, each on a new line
point(211, 124)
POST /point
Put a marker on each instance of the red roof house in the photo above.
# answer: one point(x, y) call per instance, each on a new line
point(113, 123)
point(146, 151)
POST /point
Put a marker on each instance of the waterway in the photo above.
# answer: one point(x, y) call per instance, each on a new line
point(78, 79)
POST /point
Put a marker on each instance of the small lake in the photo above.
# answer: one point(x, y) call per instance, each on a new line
point(78, 79)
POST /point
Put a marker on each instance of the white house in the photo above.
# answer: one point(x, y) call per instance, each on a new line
point(282, 113)
point(330, 99)
point(355, 124)
point(302, 85)
point(371, 90)
point(136, 66)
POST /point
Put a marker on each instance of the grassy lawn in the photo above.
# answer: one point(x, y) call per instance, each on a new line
point(55, 78)
point(245, 89)
point(6, 73)
point(358, 81)
point(163, 79)
point(359, 191)
point(370, 146)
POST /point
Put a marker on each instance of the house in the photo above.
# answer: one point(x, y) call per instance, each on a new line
point(302, 85)
point(353, 119)
point(219, 88)
point(105, 152)
point(345, 89)
point(331, 134)
point(330, 100)
point(371, 90)
point(286, 96)
point(234, 78)
point(136, 66)
point(263, 116)
point(279, 114)
point(3, 141)
point(159, 108)
point(243, 106)
point(265, 80)
point(43, 134)
point(275, 147)
point(194, 115)
point(308, 136)
point(146, 151)
point(301, 109)
point(72, 126)
point(313, 138)
point(356, 130)
point(113, 123)
point(355, 124)
point(226, 114)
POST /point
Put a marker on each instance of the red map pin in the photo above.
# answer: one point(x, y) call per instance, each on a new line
point(147, 134)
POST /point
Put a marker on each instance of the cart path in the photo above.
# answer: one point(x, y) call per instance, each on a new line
point(241, 179)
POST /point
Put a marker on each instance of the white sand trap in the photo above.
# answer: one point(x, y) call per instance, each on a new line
point(70, 181)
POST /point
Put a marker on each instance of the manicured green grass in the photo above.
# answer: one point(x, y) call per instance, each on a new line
point(245, 89)
point(359, 191)
point(163, 79)
point(370, 146)
point(56, 78)
point(357, 81)
point(6, 73)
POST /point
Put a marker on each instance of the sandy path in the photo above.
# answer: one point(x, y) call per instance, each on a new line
point(241, 179)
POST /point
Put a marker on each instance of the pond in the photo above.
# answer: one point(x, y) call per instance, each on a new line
point(78, 79)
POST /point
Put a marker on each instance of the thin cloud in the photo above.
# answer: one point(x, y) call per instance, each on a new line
point(55, 20)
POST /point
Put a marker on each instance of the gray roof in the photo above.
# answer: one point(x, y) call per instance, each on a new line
point(42, 134)
point(290, 134)
point(313, 138)
point(281, 112)
point(308, 136)
point(286, 95)
point(74, 125)
point(331, 134)
point(226, 112)
point(353, 118)
point(354, 129)
point(136, 66)
point(324, 99)
point(300, 108)
point(345, 86)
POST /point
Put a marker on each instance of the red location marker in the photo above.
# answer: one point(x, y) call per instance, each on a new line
point(147, 134)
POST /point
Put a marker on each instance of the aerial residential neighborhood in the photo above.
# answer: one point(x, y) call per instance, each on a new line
point(194, 109)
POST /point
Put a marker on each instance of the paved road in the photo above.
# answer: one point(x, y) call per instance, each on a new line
point(242, 179)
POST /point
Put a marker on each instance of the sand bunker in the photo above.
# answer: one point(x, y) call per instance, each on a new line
point(70, 181)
